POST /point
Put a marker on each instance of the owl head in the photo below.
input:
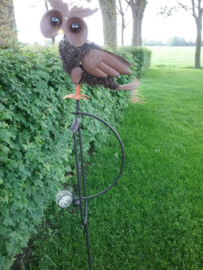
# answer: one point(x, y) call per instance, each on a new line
point(70, 21)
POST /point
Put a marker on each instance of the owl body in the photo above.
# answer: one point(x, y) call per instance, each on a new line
point(83, 61)
point(71, 58)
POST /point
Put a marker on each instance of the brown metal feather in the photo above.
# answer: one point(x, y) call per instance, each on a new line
point(60, 6)
point(100, 63)
point(122, 60)
point(81, 12)
point(129, 86)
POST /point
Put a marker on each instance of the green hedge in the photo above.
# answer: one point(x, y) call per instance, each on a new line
point(36, 147)
point(141, 57)
point(35, 142)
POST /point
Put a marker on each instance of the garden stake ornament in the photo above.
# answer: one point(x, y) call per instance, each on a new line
point(86, 63)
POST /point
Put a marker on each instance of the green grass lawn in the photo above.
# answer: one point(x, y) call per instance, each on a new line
point(153, 217)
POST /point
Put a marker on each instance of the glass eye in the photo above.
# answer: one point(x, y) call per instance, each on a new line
point(55, 21)
point(75, 28)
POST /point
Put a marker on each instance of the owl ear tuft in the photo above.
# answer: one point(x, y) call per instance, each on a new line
point(76, 31)
point(47, 29)
point(81, 12)
point(60, 6)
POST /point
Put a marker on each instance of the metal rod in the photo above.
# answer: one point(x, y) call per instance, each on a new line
point(83, 171)
point(88, 245)
point(78, 176)
point(77, 105)
point(83, 218)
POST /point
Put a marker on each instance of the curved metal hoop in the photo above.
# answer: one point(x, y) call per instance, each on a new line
point(123, 155)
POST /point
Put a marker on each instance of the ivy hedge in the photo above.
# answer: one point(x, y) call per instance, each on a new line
point(141, 57)
point(36, 148)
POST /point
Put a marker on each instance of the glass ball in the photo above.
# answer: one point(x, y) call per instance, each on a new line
point(64, 198)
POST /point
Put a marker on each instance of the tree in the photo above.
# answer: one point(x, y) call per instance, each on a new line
point(122, 12)
point(138, 8)
point(108, 10)
point(176, 41)
point(153, 43)
point(8, 32)
point(194, 8)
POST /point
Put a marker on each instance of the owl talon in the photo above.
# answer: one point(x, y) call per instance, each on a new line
point(76, 97)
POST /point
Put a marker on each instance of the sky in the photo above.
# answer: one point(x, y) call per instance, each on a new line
point(29, 13)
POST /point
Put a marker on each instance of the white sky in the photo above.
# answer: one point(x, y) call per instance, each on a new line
point(29, 13)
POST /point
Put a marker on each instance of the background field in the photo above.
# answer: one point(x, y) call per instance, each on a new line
point(173, 56)
point(153, 218)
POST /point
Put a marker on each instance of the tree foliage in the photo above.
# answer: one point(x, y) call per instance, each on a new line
point(176, 41)
point(173, 41)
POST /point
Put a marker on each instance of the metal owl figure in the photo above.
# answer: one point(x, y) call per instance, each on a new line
point(85, 62)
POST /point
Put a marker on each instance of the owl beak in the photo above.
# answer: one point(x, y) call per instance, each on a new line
point(61, 32)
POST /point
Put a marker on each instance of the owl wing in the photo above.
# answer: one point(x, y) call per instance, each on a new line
point(101, 63)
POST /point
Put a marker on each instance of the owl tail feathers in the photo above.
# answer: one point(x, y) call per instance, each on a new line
point(130, 86)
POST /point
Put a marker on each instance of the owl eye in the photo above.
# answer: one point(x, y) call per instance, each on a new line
point(55, 21)
point(75, 27)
